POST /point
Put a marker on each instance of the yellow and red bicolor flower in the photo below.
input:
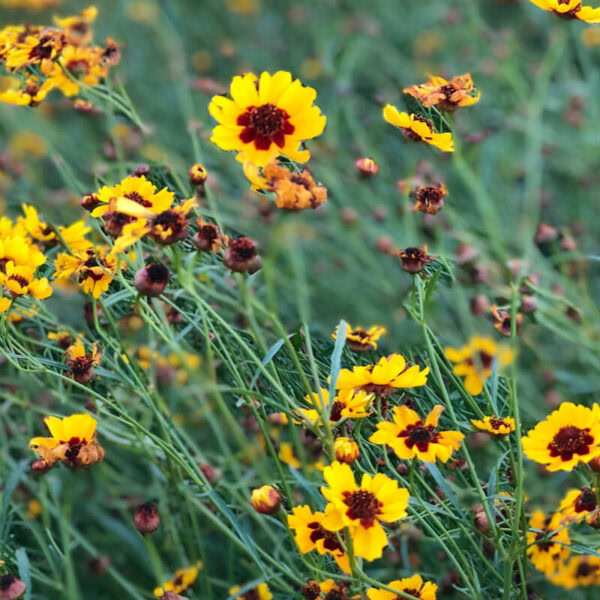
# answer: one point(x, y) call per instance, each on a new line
point(570, 9)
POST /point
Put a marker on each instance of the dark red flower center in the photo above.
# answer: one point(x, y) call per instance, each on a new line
point(336, 411)
point(20, 280)
point(420, 435)
point(586, 501)
point(410, 592)
point(362, 505)
point(330, 540)
point(569, 441)
point(585, 570)
point(497, 422)
point(484, 359)
point(136, 197)
point(264, 125)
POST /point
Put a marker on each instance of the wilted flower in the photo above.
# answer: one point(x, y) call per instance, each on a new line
point(81, 364)
point(241, 255)
point(11, 588)
point(197, 174)
point(445, 95)
point(418, 129)
point(414, 260)
point(503, 321)
point(209, 237)
point(429, 199)
point(152, 279)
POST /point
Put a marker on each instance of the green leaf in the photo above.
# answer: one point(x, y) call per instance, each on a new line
point(24, 570)
point(336, 358)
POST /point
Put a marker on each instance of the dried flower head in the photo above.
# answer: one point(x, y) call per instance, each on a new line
point(241, 255)
point(429, 199)
point(414, 260)
point(209, 237)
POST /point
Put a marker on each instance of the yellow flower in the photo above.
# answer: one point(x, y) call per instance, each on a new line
point(445, 95)
point(417, 128)
point(20, 280)
point(546, 541)
point(346, 450)
point(362, 340)
point(77, 28)
point(41, 47)
point(34, 509)
point(409, 437)
point(570, 9)
point(260, 592)
point(29, 94)
point(347, 404)
point(362, 508)
point(390, 373)
point(4, 304)
point(266, 117)
point(93, 268)
point(579, 504)
point(310, 534)
point(182, 580)
point(287, 456)
point(577, 571)
point(475, 360)
point(21, 251)
point(570, 435)
point(412, 586)
point(73, 441)
point(495, 425)
point(81, 364)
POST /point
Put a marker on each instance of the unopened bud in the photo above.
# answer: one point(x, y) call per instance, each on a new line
point(141, 170)
point(367, 167)
point(482, 523)
point(41, 466)
point(480, 304)
point(266, 500)
point(346, 450)
point(146, 518)
point(152, 279)
point(89, 202)
point(197, 174)
point(11, 588)
point(529, 304)
point(241, 255)
point(545, 234)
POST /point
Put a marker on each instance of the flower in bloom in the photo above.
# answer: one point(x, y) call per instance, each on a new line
point(475, 360)
point(547, 542)
point(310, 534)
point(570, 9)
point(266, 500)
point(20, 280)
point(495, 425)
point(266, 117)
point(73, 441)
point(568, 436)
point(411, 586)
point(260, 592)
point(182, 580)
point(445, 95)
point(29, 92)
point(77, 28)
point(287, 456)
point(81, 363)
point(579, 504)
point(417, 128)
point(62, 338)
point(36, 46)
point(347, 404)
point(577, 571)
point(362, 507)
point(346, 450)
point(93, 269)
point(391, 372)
point(362, 340)
point(410, 437)
point(293, 191)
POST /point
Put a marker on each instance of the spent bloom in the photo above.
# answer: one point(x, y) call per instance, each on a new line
point(81, 363)
point(362, 340)
point(429, 199)
point(445, 95)
point(413, 586)
point(265, 117)
point(418, 129)
point(410, 437)
point(362, 508)
point(475, 361)
point(568, 436)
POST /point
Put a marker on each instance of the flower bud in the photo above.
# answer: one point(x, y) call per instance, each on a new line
point(367, 167)
point(479, 304)
point(482, 523)
point(146, 518)
point(141, 170)
point(11, 588)
point(266, 500)
point(89, 202)
point(545, 234)
point(346, 450)
point(529, 304)
point(172, 596)
point(152, 279)
point(211, 474)
point(595, 464)
point(41, 466)
point(241, 255)
point(197, 174)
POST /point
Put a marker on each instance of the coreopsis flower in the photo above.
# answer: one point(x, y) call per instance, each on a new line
point(412, 586)
point(165, 227)
point(146, 518)
point(62, 337)
point(93, 268)
point(417, 128)
point(579, 504)
point(475, 361)
point(570, 9)
point(495, 425)
point(81, 363)
point(34, 47)
point(20, 250)
point(347, 404)
point(137, 189)
point(445, 95)
point(568, 436)
point(197, 174)
point(346, 450)
point(577, 571)
point(266, 500)
point(293, 191)
point(266, 117)
point(503, 321)
point(174, 368)
point(326, 590)
point(409, 437)
point(242, 256)
point(547, 542)
point(209, 237)
point(152, 279)
point(429, 199)
point(73, 442)
point(77, 28)
point(310, 535)
point(286, 455)
point(20, 280)
point(11, 587)
point(260, 592)
point(29, 92)
point(367, 167)
point(362, 340)
point(390, 373)
point(414, 260)
point(362, 508)
point(182, 580)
